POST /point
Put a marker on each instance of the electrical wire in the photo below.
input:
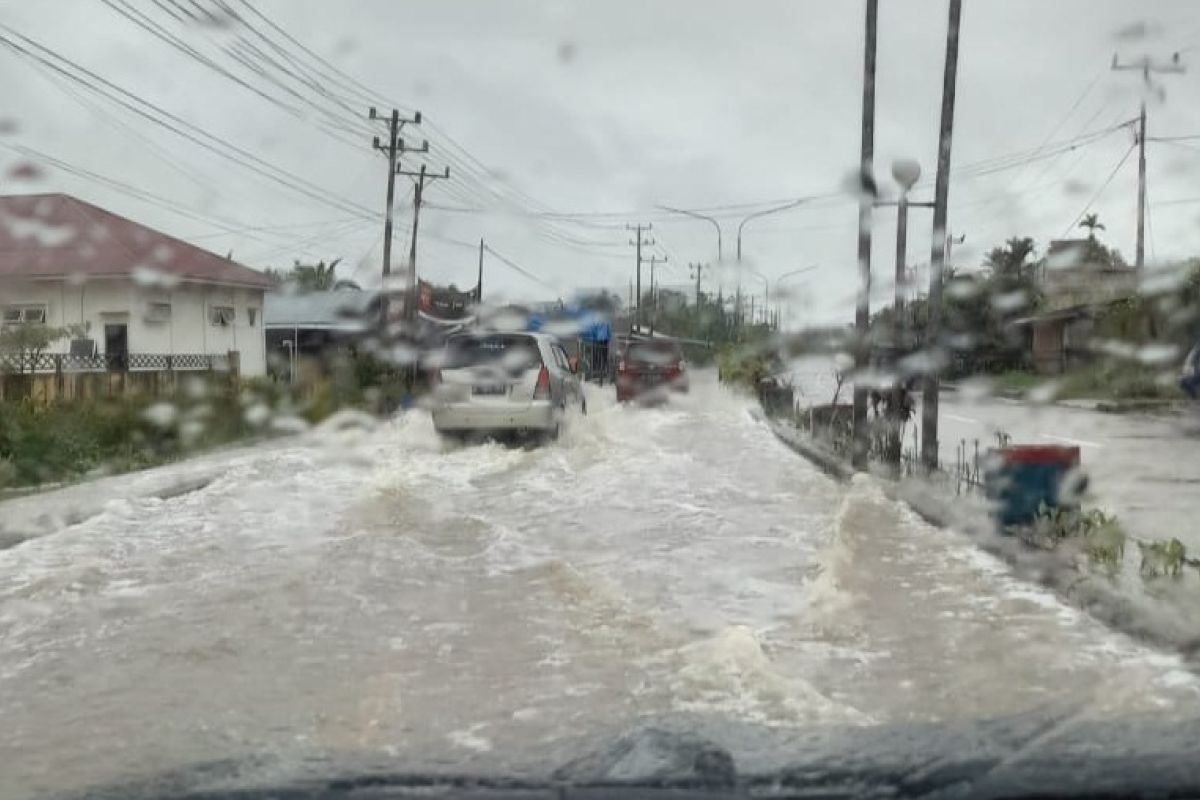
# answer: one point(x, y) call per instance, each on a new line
point(171, 122)
point(1099, 191)
point(518, 268)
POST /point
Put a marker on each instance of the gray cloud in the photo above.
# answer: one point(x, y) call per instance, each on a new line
point(684, 103)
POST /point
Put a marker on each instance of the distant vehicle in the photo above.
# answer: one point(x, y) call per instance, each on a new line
point(1189, 379)
point(504, 383)
point(648, 368)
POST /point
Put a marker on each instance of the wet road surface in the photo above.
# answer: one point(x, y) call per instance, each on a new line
point(377, 594)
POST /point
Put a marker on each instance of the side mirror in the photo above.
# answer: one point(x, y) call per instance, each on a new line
point(573, 362)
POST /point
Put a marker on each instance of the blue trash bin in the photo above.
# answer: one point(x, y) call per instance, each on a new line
point(1023, 478)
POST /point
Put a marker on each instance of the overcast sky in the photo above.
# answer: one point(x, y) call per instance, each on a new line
point(614, 106)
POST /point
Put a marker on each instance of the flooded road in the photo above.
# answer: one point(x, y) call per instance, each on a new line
point(381, 597)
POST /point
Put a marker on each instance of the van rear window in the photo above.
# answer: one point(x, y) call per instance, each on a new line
point(514, 353)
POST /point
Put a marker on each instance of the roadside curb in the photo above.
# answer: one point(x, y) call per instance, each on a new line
point(1125, 607)
point(827, 462)
point(28, 520)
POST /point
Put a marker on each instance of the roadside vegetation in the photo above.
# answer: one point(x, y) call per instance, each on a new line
point(62, 442)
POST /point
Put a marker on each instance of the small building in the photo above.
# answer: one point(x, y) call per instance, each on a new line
point(1076, 289)
point(135, 298)
point(1072, 277)
point(1061, 339)
point(309, 325)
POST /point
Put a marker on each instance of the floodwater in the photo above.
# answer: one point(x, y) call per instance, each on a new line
point(376, 596)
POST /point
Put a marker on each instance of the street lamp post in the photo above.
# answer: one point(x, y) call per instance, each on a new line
point(906, 172)
point(705, 218)
point(766, 291)
point(741, 227)
point(781, 279)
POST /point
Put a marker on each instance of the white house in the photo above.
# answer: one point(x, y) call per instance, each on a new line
point(140, 294)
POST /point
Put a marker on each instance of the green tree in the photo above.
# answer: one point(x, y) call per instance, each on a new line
point(29, 340)
point(1011, 261)
point(319, 277)
point(1092, 223)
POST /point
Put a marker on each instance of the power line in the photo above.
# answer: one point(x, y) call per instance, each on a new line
point(517, 267)
point(1099, 191)
point(159, 201)
point(1063, 121)
point(138, 105)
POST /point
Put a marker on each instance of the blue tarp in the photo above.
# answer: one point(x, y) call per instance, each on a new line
point(590, 327)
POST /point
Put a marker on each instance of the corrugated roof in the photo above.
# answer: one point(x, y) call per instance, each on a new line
point(341, 310)
point(56, 235)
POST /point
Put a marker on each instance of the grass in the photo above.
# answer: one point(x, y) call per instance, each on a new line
point(1015, 380)
point(67, 441)
point(1118, 381)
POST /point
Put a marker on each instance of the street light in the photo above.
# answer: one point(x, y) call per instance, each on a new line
point(699, 216)
point(787, 275)
point(766, 291)
point(765, 213)
point(741, 227)
point(907, 172)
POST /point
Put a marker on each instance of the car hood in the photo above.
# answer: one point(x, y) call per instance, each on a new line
point(1022, 756)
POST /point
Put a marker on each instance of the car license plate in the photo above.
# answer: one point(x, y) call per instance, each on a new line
point(489, 390)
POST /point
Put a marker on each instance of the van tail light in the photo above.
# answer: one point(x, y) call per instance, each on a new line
point(541, 391)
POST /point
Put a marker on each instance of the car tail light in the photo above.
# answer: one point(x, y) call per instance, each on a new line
point(541, 390)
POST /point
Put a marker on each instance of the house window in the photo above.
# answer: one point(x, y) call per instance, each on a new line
point(24, 315)
point(158, 312)
point(252, 313)
point(221, 315)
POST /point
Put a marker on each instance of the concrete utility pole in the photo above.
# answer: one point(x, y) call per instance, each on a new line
point(391, 149)
point(421, 177)
point(862, 313)
point(929, 401)
point(653, 292)
point(695, 272)
point(1145, 66)
point(639, 243)
point(479, 281)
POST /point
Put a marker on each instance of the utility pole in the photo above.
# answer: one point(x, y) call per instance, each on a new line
point(639, 243)
point(696, 269)
point(1147, 67)
point(929, 400)
point(479, 280)
point(862, 313)
point(421, 177)
point(391, 149)
point(654, 259)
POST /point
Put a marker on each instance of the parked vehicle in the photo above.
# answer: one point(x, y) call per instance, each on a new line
point(647, 369)
point(497, 383)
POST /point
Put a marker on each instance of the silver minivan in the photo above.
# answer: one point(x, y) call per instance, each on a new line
point(518, 383)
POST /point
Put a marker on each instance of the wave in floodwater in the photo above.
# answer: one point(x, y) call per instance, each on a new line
point(382, 592)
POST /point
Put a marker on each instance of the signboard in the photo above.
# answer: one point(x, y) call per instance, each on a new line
point(444, 302)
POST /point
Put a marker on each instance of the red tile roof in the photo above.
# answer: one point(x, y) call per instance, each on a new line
point(56, 236)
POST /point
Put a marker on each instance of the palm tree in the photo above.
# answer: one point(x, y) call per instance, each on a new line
point(319, 277)
point(1009, 261)
point(1092, 223)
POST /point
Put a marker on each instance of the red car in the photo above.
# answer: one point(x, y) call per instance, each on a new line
point(648, 368)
